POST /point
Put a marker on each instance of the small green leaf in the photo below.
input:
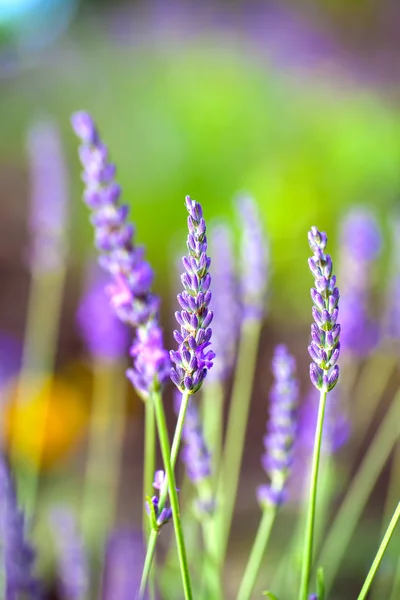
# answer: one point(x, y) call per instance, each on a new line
point(320, 584)
point(152, 516)
point(270, 595)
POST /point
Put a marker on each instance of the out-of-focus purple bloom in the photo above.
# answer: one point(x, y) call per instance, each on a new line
point(224, 303)
point(132, 276)
point(391, 323)
point(130, 290)
point(254, 260)
point(72, 563)
point(10, 357)
point(17, 555)
point(325, 332)
point(195, 454)
point(105, 336)
point(165, 515)
point(124, 560)
point(191, 359)
point(360, 243)
point(49, 198)
point(313, 597)
point(151, 361)
point(281, 429)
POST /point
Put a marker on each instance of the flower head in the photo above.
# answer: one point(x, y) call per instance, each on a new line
point(73, 567)
point(325, 332)
point(49, 197)
point(254, 259)
point(124, 560)
point(278, 441)
point(192, 360)
point(165, 515)
point(224, 303)
point(17, 555)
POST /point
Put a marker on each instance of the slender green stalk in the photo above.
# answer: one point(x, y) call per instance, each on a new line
point(396, 584)
point(213, 404)
point(236, 429)
point(169, 488)
point(381, 551)
point(310, 525)
point(257, 552)
point(44, 308)
point(360, 488)
point(148, 475)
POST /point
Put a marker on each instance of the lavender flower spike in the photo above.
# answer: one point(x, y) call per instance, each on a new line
point(225, 303)
point(73, 567)
point(16, 554)
point(325, 332)
point(255, 260)
point(191, 360)
point(278, 441)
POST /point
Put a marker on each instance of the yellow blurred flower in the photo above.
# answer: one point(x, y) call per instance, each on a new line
point(45, 419)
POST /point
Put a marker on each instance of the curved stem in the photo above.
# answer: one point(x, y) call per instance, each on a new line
point(213, 403)
point(169, 487)
point(254, 563)
point(148, 474)
point(381, 551)
point(236, 429)
point(309, 536)
point(360, 488)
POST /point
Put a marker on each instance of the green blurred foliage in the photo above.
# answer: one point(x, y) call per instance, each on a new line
point(207, 117)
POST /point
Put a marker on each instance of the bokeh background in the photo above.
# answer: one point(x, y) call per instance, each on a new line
point(296, 103)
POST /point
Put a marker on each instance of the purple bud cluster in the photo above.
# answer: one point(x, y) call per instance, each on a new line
point(72, 562)
point(130, 290)
point(254, 259)
point(17, 555)
point(130, 293)
point(325, 332)
point(165, 515)
point(282, 425)
point(191, 359)
point(225, 303)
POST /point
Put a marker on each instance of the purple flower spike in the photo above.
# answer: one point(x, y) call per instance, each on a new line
point(73, 567)
point(49, 198)
point(130, 293)
point(325, 332)
point(255, 260)
point(124, 560)
point(278, 441)
point(225, 303)
point(105, 336)
point(360, 243)
point(165, 515)
point(17, 555)
point(191, 359)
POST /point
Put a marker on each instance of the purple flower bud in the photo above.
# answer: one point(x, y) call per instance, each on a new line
point(72, 563)
point(278, 441)
point(165, 515)
point(192, 358)
point(325, 347)
point(254, 258)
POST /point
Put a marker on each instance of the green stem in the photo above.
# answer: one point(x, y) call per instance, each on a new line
point(378, 558)
point(148, 476)
point(343, 526)
point(254, 563)
point(169, 488)
point(395, 595)
point(45, 298)
point(236, 429)
point(309, 536)
point(213, 403)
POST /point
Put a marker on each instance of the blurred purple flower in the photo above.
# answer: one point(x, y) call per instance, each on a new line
point(105, 336)
point(360, 243)
point(17, 555)
point(124, 560)
point(254, 259)
point(325, 332)
point(191, 359)
point(72, 563)
point(225, 304)
point(10, 357)
point(281, 428)
point(49, 197)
